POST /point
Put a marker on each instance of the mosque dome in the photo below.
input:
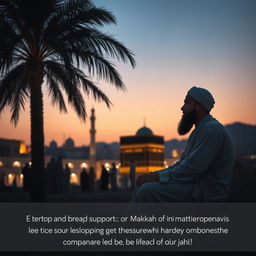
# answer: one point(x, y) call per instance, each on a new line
point(69, 144)
point(53, 144)
point(144, 131)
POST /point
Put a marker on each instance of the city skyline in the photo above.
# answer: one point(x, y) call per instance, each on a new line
point(177, 44)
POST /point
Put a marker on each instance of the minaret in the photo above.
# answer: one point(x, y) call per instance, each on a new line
point(92, 141)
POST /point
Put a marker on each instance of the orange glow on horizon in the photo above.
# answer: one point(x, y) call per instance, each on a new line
point(185, 44)
point(161, 110)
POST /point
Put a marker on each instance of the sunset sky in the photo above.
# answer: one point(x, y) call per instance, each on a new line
point(177, 44)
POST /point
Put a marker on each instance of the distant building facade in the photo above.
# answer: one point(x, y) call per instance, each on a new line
point(13, 156)
point(68, 150)
point(13, 148)
point(145, 149)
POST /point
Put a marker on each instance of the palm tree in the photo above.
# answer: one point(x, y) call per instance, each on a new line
point(58, 44)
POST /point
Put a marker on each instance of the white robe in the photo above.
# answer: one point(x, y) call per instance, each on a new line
point(203, 173)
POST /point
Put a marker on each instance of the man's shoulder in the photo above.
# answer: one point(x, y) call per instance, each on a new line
point(212, 122)
point(214, 126)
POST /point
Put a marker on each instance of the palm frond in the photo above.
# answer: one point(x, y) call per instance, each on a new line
point(69, 14)
point(8, 42)
point(70, 77)
point(96, 41)
point(14, 91)
point(10, 10)
point(55, 93)
point(69, 83)
point(58, 52)
point(97, 65)
point(113, 48)
point(18, 102)
point(90, 87)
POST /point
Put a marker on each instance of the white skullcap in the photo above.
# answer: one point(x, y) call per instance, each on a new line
point(202, 96)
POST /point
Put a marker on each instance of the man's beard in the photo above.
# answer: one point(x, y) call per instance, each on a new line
point(186, 123)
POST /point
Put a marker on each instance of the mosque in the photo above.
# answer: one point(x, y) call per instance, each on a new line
point(144, 148)
point(14, 154)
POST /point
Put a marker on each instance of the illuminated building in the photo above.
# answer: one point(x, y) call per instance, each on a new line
point(145, 149)
point(23, 148)
point(13, 148)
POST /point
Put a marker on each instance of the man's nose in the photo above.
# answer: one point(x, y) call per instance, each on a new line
point(182, 108)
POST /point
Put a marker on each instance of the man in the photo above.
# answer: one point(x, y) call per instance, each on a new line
point(204, 171)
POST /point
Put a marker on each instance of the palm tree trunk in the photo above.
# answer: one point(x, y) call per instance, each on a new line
point(37, 137)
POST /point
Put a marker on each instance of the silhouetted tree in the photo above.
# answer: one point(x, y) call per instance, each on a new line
point(50, 41)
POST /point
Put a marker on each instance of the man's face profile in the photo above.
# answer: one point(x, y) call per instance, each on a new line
point(189, 115)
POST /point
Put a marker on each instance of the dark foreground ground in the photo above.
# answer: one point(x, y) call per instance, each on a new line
point(242, 190)
point(75, 195)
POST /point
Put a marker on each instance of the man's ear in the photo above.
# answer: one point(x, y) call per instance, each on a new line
point(199, 107)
